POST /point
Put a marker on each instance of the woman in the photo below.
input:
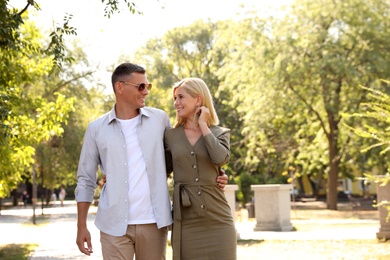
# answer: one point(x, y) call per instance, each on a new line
point(62, 195)
point(203, 225)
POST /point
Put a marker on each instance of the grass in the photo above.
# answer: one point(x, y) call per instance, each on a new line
point(22, 251)
point(16, 251)
point(246, 242)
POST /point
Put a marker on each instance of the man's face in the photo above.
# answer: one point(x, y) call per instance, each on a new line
point(130, 91)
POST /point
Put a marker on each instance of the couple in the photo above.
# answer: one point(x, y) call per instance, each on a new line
point(128, 145)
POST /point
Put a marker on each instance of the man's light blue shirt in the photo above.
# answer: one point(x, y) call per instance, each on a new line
point(104, 145)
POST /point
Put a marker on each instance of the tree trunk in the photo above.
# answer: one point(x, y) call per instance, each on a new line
point(15, 197)
point(334, 163)
point(301, 191)
point(331, 194)
point(314, 187)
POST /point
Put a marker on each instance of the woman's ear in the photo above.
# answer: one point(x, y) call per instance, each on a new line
point(199, 100)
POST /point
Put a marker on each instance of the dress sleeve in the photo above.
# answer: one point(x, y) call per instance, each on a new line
point(218, 145)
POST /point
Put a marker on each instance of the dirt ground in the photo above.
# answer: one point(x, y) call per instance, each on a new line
point(335, 249)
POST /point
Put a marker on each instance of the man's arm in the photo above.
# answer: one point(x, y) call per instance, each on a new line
point(83, 235)
point(222, 179)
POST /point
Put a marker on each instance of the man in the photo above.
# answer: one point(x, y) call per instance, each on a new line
point(134, 210)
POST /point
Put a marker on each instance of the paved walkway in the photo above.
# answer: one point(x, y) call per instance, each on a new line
point(56, 230)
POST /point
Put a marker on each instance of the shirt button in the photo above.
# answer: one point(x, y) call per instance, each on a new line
point(192, 153)
point(194, 166)
point(202, 206)
point(199, 193)
point(196, 179)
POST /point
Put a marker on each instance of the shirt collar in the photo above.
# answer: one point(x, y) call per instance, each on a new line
point(112, 114)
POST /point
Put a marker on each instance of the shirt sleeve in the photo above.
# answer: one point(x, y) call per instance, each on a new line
point(87, 168)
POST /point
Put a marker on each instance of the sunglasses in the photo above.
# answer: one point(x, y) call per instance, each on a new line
point(141, 87)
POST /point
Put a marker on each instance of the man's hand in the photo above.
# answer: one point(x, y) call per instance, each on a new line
point(222, 179)
point(83, 236)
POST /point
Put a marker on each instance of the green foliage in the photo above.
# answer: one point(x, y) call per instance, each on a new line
point(27, 132)
point(30, 118)
point(113, 6)
point(283, 85)
point(192, 51)
point(37, 103)
point(10, 21)
point(56, 47)
point(244, 193)
point(296, 77)
point(16, 251)
point(11, 38)
point(378, 110)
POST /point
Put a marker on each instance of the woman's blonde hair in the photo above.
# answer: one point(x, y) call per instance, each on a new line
point(197, 87)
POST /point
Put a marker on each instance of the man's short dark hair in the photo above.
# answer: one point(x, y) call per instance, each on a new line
point(124, 70)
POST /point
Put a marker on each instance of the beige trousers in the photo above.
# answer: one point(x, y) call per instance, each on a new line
point(145, 241)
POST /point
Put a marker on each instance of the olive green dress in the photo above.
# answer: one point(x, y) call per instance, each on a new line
point(203, 226)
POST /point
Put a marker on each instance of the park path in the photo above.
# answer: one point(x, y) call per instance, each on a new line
point(56, 230)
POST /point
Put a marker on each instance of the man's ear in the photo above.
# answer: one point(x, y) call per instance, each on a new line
point(118, 87)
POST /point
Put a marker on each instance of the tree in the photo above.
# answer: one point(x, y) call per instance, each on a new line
point(317, 55)
point(191, 52)
point(341, 49)
point(266, 119)
point(12, 41)
point(29, 112)
point(32, 118)
point(57, 158)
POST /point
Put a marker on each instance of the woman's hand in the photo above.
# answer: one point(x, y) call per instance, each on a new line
point(204, 114)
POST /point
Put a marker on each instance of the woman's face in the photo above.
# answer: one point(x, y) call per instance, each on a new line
point(185, 104)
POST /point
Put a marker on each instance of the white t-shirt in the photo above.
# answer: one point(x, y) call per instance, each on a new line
point(140, 204)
